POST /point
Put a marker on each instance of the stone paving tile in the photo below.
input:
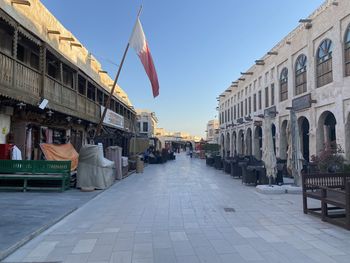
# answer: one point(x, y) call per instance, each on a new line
point(182, 220)
point(84, 246)
point(121, 257)
point(143, 250)
point(248, 252)
point(187, 259)
point(164, 255)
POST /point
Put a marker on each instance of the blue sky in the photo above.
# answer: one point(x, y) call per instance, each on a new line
point(198, 47)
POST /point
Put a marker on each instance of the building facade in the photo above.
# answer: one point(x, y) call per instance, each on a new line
point(42, 63)
point(307, 72)
point(212, 132)
point(146, 123)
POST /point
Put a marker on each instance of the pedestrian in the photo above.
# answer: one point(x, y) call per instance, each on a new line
point(191, 153)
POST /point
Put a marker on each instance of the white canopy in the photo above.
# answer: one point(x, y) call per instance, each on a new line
point(269, 156)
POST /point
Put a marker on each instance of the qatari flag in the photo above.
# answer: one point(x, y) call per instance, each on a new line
point(139, 43)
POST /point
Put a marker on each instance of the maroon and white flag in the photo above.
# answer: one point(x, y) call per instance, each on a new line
point(139, 43)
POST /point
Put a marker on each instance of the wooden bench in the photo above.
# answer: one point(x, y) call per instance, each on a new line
point(333, 192)
point(34, 175)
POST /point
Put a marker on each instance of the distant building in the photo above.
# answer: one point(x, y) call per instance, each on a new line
point(213, 131)
point(146, 123)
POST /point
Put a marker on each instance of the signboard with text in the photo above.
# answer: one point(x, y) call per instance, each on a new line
point(112, 119)
point(302, 103)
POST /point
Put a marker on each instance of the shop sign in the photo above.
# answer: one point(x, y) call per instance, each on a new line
point(270, 112)
point(112, 119)
point(301, 103)
point(240, 121)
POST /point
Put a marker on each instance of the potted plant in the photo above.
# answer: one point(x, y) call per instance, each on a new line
point(330, 159)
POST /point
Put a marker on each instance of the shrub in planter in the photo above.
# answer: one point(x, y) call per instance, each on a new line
point(330, 159)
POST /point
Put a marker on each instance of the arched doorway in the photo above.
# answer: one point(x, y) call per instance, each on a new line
point(222, 144)
point(234, 143)
point(228, 145)
point(273, 131)
point(283, 140)
point(240, 142)
point(304, 128)
point(258, 142)
point(347, 137)
point(248, 139)
point(326, 132)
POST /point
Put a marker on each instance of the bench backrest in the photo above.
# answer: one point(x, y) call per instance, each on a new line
point(35, 166)
point(336, 180)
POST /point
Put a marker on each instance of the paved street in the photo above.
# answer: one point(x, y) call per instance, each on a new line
point(175, 213)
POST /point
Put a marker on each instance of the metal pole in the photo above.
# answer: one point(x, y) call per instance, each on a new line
point(99, 126)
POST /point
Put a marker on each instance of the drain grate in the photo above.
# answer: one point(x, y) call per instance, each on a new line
point(229, 209)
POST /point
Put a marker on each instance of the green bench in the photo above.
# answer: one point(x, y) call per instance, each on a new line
point(34, 175)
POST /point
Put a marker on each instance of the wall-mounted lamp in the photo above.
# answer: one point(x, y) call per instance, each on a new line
point(49, 113)
point(21, 105)
point(79, 121)
point(68, 118)
point(20, 2)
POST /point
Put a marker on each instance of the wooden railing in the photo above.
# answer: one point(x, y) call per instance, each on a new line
point(22, 81)
point(6, 70)
point(27, 80)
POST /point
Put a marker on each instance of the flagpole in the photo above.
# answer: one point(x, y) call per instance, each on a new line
point(99, 126)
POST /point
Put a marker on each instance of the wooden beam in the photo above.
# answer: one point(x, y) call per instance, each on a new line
point(66, 38)
point(272, 53)
point(54, 32)
point(75, 45)
point(247, 73)
point(20, 2)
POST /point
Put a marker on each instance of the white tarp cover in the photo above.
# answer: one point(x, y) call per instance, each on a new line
point(295, 157)
point(114, 153)
point(94, 171)
point(269, 156)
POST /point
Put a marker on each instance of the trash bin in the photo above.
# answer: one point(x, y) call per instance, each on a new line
point(139, 165)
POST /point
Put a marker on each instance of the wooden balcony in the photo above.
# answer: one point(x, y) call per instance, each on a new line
point(23, 83)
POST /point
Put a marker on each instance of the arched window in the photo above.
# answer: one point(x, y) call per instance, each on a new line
point(324, 69)
point(284, 84)
point(347, 51)
point(300, 75)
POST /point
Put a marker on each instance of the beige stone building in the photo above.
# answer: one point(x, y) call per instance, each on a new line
point(212, 132)
point(146, 122)
point(308, 70)
point(42, 61)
